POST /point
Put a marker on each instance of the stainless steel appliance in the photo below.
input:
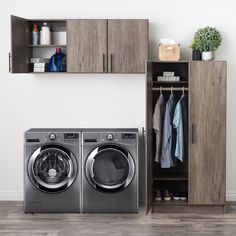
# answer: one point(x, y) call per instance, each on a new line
point(110, 170)
point(52, 170)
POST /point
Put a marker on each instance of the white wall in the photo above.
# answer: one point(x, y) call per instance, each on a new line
point(100, 100)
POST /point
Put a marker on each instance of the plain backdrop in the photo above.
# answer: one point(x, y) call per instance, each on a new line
point(92, 100)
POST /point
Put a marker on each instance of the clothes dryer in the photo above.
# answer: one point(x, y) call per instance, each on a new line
point(110, 170)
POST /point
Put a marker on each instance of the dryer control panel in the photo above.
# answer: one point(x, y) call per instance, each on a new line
point(90, 138)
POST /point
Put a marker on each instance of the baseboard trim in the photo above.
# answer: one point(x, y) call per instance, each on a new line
point(18, 196)
point(11, 196)
point(231, 196)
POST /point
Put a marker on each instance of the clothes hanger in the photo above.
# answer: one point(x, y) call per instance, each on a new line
point(183, 91)
point(161, 90)
point(171, 90)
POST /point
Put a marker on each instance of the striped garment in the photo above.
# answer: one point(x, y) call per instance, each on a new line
point(178, 124)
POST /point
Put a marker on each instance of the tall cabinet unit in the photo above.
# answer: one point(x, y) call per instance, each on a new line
point(202, 173)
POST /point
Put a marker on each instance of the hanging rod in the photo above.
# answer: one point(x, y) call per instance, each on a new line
point(169, 89)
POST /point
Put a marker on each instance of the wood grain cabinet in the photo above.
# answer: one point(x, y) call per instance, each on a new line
point(87, 46)
point(203, 173)
point(91, 45)
point(20, 52)
point(127, 46)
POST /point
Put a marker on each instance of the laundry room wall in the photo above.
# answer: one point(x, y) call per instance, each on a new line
point(76, 100)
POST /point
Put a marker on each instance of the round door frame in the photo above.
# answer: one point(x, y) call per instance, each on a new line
point(39, 184)
point(107, 188)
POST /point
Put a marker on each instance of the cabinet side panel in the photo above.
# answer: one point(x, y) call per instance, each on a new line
point(207, 160)
point(20, 52)
point(127, 45)
point(86, 46)
point(148, 138)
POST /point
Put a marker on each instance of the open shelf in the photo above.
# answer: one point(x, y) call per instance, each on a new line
point(170, 202)
point(170, 178)
point(180, 69)
point(170, 82)
point(47, 46)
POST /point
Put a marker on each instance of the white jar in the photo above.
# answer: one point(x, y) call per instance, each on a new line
point(208, 56)
point(45, 35)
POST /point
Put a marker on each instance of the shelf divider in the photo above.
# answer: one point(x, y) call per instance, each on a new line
point(47, 46)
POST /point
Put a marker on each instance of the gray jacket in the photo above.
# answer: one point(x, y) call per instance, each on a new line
point(168, 138)
point(158, 118)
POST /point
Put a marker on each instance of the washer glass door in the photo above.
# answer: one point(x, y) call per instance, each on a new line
point(110, 168)
point(52, 168)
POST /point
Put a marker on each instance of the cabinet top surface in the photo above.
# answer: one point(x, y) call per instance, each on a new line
point(185, 61)
point(65, 19)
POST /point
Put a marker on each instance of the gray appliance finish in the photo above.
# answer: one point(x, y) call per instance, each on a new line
point(110, 170)
point(52, 179)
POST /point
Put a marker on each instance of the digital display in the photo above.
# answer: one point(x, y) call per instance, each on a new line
point(71, 136)
point(128, 136)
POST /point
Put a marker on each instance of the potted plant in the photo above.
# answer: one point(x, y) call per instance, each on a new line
point(207, 39)
point(196, 54)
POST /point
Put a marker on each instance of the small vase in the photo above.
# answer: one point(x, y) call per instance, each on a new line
point(196, 55)
point(208, 56)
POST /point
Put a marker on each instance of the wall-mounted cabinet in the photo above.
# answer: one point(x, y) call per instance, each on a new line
point(91, 45)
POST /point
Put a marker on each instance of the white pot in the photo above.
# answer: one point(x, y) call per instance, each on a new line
point(208, 56)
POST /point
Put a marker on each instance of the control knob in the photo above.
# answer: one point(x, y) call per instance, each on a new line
point(110, 137)
point(52, 136)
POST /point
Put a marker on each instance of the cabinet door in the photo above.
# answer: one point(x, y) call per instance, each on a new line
point(86, 46)
point(127, 46)
point(208, 133)
point(20, 52)
point(148, 139)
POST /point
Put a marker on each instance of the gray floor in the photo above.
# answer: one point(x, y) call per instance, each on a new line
point(14, 222)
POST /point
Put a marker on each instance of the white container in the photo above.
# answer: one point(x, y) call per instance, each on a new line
point(208, 56)
point(45, 35)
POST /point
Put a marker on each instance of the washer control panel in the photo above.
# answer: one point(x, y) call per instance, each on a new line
point(53, 136)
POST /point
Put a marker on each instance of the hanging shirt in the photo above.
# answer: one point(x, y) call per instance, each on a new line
point(178, 124)
point(158, 117)
point(167, 155)
point(185, 125)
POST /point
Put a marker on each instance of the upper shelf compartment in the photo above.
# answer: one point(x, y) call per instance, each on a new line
point(166, 73)
point(22, 49)
point(91, 46)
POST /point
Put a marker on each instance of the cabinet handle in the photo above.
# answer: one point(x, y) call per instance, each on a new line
point(193, 133)
point(9, 61)
point(103, 62)
point(111, 63)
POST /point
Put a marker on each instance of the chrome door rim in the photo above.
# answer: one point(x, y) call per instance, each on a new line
point(52, 187)
point(90, 163)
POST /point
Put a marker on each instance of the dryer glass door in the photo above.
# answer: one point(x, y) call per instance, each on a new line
point(52, 169)
point(110, 168)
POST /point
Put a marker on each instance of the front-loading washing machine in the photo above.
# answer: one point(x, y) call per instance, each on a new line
point(110, 170)
point(52, 170)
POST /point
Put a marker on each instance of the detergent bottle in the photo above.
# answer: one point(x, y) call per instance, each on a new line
point(57, 62)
